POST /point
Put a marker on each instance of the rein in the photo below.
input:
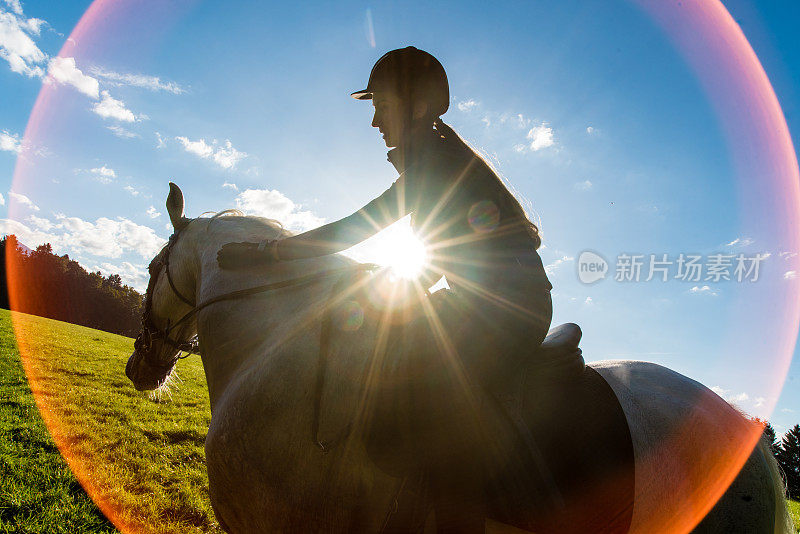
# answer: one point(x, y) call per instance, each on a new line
point(239, 293)
point(150, 332)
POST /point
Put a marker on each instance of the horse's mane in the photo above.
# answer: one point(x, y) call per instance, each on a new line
point(249, 223)
point(233, 226)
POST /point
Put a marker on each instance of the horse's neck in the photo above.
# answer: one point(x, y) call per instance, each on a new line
point(244, 333)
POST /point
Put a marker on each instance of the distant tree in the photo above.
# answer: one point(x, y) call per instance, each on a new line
point(6, 244)
point(770, 437)
point(60, 288)
point(788, 457)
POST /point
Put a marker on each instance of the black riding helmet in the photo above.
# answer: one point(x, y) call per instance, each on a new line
point(409, 73)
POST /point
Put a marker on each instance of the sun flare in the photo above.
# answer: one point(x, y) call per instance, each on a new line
point(396, 247)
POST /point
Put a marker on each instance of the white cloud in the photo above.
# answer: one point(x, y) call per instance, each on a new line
point(109, 238)
point(588, 301)
point(731, 398)
point(790, 275)
point(119, 131)
point(64, 70)
point(590, 129)
point(15, 6)
point(162, 142)
point(467, 105)
point(28, 236)
point(740, 242)
point(739, 397)
point(34, 26)
point(135, 276)
point(704, 290)
point(198, 148)
point(549, 269)
point(103, 174)
point(16, 46)
point(759, 402)
point(10, 142)
point(787, 410)
point(151, 211)
point(541, 137)
point(2, 200)
point(153, 83)
point(111, 108)
point(230, 185)
point(131, 190)
point(276, 205)
point(225, 156)
point(787, 255)
point(583, 186)
point(22, 199)
point(40, 222)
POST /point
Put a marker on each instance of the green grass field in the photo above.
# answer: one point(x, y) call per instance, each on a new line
point(141, 459)
point(794, 511)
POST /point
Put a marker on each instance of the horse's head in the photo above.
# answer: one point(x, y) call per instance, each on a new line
point(170, 297)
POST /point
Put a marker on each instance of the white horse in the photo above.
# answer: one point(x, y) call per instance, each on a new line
point(284, 451)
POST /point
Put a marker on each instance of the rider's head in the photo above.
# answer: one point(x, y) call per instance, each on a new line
point(409, 90)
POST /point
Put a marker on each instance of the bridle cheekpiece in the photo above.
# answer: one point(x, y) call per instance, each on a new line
point(150, 332)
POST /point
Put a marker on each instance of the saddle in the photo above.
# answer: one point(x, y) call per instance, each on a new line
point(559, 354)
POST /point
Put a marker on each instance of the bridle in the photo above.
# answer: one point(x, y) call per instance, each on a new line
point(150, 332)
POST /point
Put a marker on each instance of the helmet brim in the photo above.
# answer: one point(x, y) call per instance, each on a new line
point(364, 94)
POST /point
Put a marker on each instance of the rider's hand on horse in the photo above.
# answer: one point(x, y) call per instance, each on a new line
point(237, 255)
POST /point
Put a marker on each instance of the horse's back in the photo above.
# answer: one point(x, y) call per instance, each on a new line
point(688, 445)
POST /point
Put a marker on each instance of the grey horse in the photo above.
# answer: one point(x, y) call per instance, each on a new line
point(284, 451)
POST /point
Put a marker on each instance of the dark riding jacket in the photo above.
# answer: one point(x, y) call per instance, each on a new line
point(459, 209)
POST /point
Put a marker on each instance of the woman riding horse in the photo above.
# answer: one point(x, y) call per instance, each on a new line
point(496, 312)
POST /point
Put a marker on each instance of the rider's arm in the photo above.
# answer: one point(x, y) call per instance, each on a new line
point(344, 233)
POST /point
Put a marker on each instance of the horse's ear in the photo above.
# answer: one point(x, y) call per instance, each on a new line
point(175, 207)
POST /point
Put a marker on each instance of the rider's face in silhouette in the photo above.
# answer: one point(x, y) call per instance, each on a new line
point(390, 117)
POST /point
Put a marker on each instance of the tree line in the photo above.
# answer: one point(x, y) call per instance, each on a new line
point(787, 453)
point(59, 288)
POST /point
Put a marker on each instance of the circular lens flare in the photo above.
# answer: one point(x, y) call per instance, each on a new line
point(758, 138)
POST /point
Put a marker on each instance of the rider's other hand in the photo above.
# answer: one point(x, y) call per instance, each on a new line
point(237, 255)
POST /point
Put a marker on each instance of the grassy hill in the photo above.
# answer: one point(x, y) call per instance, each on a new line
point(794, 511)
point(142, 460)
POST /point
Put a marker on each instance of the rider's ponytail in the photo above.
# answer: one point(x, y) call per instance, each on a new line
point(511, 204)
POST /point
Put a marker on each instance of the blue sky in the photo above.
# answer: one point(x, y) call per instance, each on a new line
point(588, 109)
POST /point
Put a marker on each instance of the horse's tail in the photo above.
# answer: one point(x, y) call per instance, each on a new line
point(783, 521)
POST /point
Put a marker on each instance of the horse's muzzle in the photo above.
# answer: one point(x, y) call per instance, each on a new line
point(144, 376)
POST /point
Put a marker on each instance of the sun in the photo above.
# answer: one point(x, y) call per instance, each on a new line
point(396, 247)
